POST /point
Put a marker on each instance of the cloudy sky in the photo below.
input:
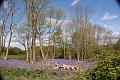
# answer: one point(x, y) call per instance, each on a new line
point(107, 12)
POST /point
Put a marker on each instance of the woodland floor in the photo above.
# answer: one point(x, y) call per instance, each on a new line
point(49, 63)
point(49, 66)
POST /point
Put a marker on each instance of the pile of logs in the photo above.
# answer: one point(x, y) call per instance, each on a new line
point(57, 66)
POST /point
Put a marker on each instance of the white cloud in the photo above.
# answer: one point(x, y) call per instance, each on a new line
point(108, 16)
point(107, 26)
point(53, 21)
point(116, 34)
point(66, 22)
point(5, 3)
point(74, 2)
point(1, 21)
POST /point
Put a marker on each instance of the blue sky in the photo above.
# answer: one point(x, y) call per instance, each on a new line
point(107, 12)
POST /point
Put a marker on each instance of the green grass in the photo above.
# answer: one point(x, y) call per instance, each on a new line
point(20, 56)
point(24, 74)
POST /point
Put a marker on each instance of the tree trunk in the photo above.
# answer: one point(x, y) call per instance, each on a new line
point(33, 45)
point(78, 55)
point(70, 55)
point(64, 47)
point(1, 39)
point(43, 56)
point(27, 58)
point(48, 45)
point(53, 52)
point(4, 47)
point(42, 52)
point(8, 45)
point(0, 44)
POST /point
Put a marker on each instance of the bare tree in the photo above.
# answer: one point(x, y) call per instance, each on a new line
point(84, 34)
point(33, 10)
point(100, 30)
point(56, 34)
point(23, 36)
point(12, 24)
point(5, 15)
point(69, 30)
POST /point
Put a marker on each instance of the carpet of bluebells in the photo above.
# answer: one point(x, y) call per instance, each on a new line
point(16, 63)
point(13, 69)
point(23, 64)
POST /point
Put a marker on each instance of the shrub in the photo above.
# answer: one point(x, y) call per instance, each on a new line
point(107, 69)
point(117, 46)
point(58, 51)
point(14, 51)
point(26, 74)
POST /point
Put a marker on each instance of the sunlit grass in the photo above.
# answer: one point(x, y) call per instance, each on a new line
point(24, 74)
point(20, 56)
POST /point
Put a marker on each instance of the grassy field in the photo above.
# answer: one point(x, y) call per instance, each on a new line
point(24, 74)
point(20, 56)
point(29, 74)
